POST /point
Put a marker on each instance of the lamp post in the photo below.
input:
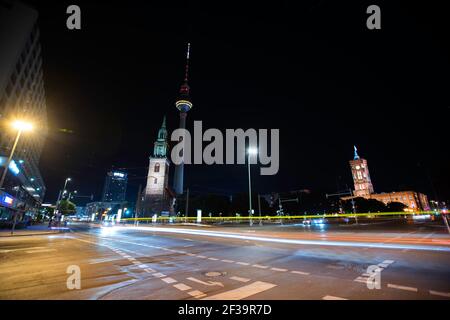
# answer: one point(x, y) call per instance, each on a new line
point(61, 194)
point(72, 196)
point(20, 126)
point(250, 151)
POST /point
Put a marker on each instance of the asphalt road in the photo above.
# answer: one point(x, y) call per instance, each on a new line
point(190, 262)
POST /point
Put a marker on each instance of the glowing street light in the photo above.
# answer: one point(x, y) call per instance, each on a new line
point(20, 126)
point(72, 194)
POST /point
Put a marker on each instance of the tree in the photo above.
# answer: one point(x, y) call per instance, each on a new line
point(66, 207)
point(364, 205)
point(395, 207)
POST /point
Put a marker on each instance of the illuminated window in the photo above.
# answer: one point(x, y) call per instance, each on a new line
point(359, 175)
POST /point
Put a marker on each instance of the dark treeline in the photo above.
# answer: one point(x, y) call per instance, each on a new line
point(291, 204)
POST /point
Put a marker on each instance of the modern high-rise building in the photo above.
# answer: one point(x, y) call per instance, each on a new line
point(361, 176)
point(22, 96)
point(183, 105)
point(115, 186)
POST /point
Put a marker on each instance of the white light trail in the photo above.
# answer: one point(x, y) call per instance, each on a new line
point(289, 241)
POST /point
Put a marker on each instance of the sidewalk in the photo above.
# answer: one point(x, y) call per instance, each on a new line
point(41, 229)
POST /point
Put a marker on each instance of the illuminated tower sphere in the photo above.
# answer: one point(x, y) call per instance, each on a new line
point(183, 104)
point(361, 176)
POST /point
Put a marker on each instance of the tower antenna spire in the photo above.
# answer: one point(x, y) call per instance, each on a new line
point(356, 156)
point(186, 75)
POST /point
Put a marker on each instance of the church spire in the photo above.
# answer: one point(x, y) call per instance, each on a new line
point(356, 156)
point(160, 147)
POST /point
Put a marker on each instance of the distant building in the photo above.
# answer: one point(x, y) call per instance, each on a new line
point(100, 210)
point(115, 186)
point(415, 201)
point(80, 210)
point(22, 95)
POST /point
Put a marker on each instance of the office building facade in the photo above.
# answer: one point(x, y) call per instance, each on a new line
point(22, 96)
point(115, 186)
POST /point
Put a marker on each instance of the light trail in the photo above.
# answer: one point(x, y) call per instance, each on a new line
point(288, 241)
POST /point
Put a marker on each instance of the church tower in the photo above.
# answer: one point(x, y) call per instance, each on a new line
point(156, 191)
point(361, 177)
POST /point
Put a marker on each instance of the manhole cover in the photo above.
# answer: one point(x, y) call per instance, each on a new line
point(213, 274)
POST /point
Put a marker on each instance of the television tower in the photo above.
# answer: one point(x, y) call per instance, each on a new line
point(183, 104)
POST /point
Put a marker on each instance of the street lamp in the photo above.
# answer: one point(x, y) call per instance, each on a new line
point(61, 194)
point(20, 126)
point(250, 151)
point(70, 194)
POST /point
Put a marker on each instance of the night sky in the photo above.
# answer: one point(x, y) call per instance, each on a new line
point(313, 70)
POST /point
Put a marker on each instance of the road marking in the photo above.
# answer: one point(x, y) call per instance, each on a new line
point(240, 279)
point(41, 250)
point(95, 261)
point(204, 257)
point(394, 286)
point(182, 286)
point(442, 294)
point(196, 294)
point(228, 261)
point(159, 275)
point(300, 272)
point(209, 283)
point(168, 280)
point(333, 298)
point(361, 279)
point(243, 292)
point(11, 250)
point(366, 277)
point(278, 269)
